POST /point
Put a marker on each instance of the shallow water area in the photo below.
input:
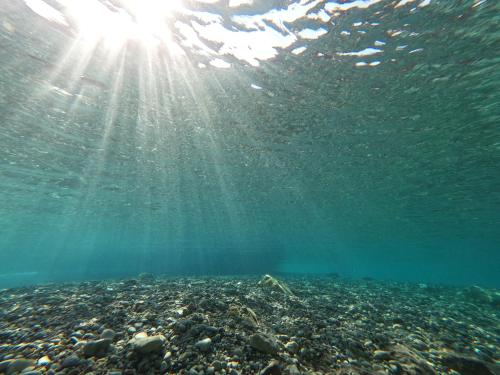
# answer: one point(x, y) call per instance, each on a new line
point(348, 148)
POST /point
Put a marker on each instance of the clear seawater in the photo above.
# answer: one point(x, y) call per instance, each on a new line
point(245, 137)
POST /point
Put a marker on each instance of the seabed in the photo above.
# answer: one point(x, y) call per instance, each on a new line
point(238, 325)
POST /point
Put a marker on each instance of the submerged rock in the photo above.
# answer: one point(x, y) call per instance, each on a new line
point(272, 368)
point(270, 282)
point(44, 361)
point(477, 294)
point(108, 334)
point(204, 345)
point(12, 366)
point(96, 348)
point(264, 343)
point(144, 344)
point(71, 361)
point(468, 366)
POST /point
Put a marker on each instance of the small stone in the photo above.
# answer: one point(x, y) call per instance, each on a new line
point(273, 368)
point(264, 343)
point(217, 365)
point(292, 346)
point(12, 366)
point(44, 361)
point(204, 345)
point(70, 361)
point(108, 334)
point(466, 365)
point(381, 355)
point(293, 370)
point(96, 348)
point(144, 344)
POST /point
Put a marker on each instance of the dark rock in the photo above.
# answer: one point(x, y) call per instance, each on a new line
point(381, 355)
point(71, 361)
point(12, 366)
point(272, 368)
point(97, 348)
point(467, 366)
point(264, 343)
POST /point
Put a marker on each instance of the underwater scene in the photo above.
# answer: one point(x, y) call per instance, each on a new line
point(296, 187)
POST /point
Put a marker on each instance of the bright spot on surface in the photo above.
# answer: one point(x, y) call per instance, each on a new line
point(362, 53)
point(201, 66)
point(298, 50)
point(361, 4)
point(379, 43)
point(254, 86)
point(143, 20)
point(375, 63)
point(219, 63)
point(403, 2)
point(312, 34)
point(237, 3)
point(424, 3)
point(361, 63)
point(44, 10)
point(322, 16)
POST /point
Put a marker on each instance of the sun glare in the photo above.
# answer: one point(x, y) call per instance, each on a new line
point(145, 21)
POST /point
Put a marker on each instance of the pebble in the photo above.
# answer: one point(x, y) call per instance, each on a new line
point(272, 368)
point(44, 361)
point(292, 346)
point(381, 355)
point(204, 345)
point(12, 366)
point(144, 344)
point(108, 334)
point(264, 343)
point(70, 361)
point(96, 348)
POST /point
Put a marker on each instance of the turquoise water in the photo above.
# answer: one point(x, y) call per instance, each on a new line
point(232, 137)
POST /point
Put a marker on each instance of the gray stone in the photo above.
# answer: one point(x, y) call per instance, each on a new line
point(381, 355)
point(293, 370)
point(204, 345)
point(97, 348)
point(12, 366)
point(264, 343)
point(272, 368)
point(71, 361)
point(292, 346)
point(467, 365)
point(144, 344)
point(108, 334)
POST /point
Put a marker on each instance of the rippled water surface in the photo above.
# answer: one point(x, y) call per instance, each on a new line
point(239, 136)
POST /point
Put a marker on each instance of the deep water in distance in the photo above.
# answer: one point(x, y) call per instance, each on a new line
point(358, 138)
